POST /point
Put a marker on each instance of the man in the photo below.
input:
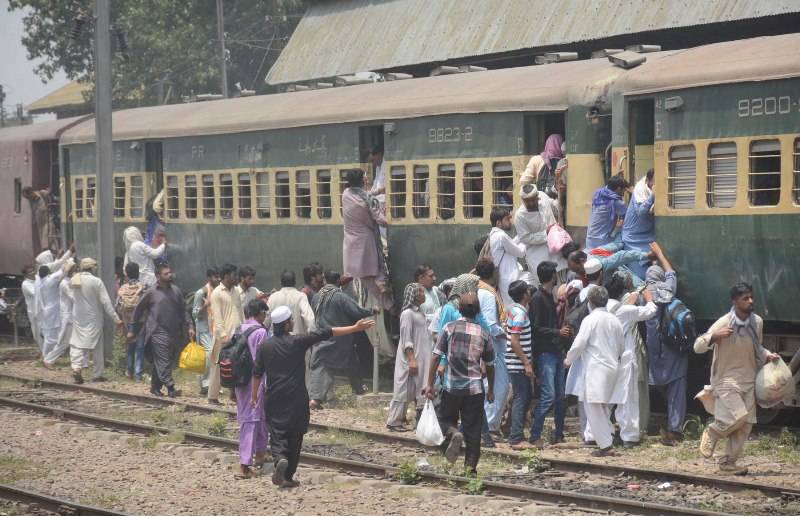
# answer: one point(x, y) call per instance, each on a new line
point(250, 413)
point(29, 293)
point(48, 304)
point(465, 344)
point(599, 344)
point(142, 254)
point(548, 355)
point(288, 295)
point(362, 250)
point(332, 307)
point(226, 314)
point(425, 276)
point(247, 287)
point(518, 361)
point(282, 359)
point(42, 220)
point(608, 212)
point(91, 301)
point(738, 353)
point(204, 322)
point(610, 261)
point(128, 296)
point(313, 278)
point(504, 251)
point(639, 229)
point(668, 367)
point(532, 221)
point(65, 304)
point(163, 318)
point(51, 263)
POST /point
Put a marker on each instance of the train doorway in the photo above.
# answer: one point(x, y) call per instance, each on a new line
point(538, 127)
point(154, 165)
point(641, 138)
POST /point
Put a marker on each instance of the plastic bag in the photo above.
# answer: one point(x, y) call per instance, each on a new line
point(774, 384)
point(557, 238)
point(429, 432)
point(706, 397)
point(193, 358)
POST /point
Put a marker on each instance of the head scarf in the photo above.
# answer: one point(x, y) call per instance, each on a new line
point(655, 280)
point(131, 235)
point(552, 148)
point(608, 198)
point(45, 258)
point(464, 283)
point(748, 325)
point(410, 296)
point(325, 294)
point(642, 192)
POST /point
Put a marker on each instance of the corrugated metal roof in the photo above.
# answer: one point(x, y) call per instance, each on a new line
point(70, 94)
point(344, 37)
point(49, 130)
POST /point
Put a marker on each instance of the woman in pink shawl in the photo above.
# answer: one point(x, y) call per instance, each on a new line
point(541, 169)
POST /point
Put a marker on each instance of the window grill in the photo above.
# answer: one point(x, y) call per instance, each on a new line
point(503, 185)
point(226, 196)
point(120, 197)
point(721, 184)
point(681, 181)
point(324, 201)
point(446, 195)
point(473, 191)
point(283, 202)
point(262, 195)
point(421, 198)
point(209, 197)
point(764, 177)
point(302, 192)
point(190, 195)
point(245, 192)
point(397, 191)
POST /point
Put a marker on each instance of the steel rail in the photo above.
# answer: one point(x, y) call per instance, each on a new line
point(534, 494)
point(53, 504)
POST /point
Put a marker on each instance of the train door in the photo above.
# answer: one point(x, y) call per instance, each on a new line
point(538, 127)
point(154, 166)
point(370, 137)
point(66, 197)
point(641, 138)
point(45, 174)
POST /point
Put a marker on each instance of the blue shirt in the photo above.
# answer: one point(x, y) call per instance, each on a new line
point(639, 228)
point(601, 226)
point(666, 364)
point(449, 314)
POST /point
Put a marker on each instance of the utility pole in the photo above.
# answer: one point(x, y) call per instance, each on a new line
point(2, 110)
point(103, 153)
point(221, 36)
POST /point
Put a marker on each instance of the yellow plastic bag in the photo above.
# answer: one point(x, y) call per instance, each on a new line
point(193, 358)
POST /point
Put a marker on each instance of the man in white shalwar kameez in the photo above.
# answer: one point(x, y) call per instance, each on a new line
point(599, 344)
point(48, 304)
point(141, 254)
point(29, 293)
point(532, 220)
point(91, 301)
point(65, 302)
point(43, 259)
point(505, 251)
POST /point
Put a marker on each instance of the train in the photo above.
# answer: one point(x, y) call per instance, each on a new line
point(257, 180)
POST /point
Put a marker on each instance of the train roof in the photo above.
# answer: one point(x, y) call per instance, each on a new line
point(50, 130)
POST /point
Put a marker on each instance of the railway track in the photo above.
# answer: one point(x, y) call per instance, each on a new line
point(52, 504)
point(558, 464)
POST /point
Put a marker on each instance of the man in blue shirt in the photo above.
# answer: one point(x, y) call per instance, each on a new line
point(608, 209)
point(639, 227)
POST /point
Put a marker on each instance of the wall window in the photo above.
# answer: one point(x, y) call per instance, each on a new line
point(79, 198)
point(397, 191)
point(245, 196)
point(283, 203)
point(764, 178)
point(91, 196)
point(324, 210)
point(262, 195)
point(681, 178)
point(721, 184)
point(119, 196)
point(209, 197)
point(173, 198)
point(137, 197)
point(17, 195)
point(796, 172)
point(226, 196)
point(503, 185)
point(421, 197)
point(446, 196)
point(473, 191)
point(302, 192)
point(190, 196)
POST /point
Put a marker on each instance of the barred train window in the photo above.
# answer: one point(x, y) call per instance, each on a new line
point(91, 196)
point(473, 191)
point(681, 179)
point(209, 197)
point(765, 173)
point(190, 196)
point(137, 197)
point(17, 195)
point(397, 191)
point(78, 198)
point(503, 185)
point(226, 196)
point(173, 201)
point(262, 195)
point(283, 202)
point(421, 197)
point(796, 172)
point(324, 194)
point(721, 185)
point(119, 196)
point(302, 192)
point(245, 196)
point(446, 196)
point(342, 185)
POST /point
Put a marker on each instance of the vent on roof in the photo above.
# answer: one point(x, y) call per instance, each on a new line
point(351, 80)
point(627, 59)
point(605, 52)
point(643, 49)
point(447, 70)
point(208, 96)
point(397, 76)
point(321, 85)
point(297, 87)
point(555, 57)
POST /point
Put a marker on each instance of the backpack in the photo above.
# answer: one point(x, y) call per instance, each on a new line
point(129, 295)
point(577, 314)
point(235, 360)
point(677, 326)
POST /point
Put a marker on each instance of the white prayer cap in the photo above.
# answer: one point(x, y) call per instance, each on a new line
point(45, 258)
point(528, 191)
point(280, 314)
point(592, 265)
point(87, 264)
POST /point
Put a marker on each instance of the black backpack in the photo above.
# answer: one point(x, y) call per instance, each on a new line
point(235, 361)
point(677, 326)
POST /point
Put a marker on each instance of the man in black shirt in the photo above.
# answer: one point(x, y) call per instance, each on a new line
point(282, 359)
point(548, 355)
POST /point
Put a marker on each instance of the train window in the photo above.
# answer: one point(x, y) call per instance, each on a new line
point(91, 196)
point(262, 195)
point(796, 172)
point(721, 183)
point(503, 185)
point(682, 174)
point(283, 202)
point(17, 195)
point(343, 185)
point(137, 197)
point(765, 173)
point(473, 191)
point(190, 196)
point(397, 191)
point(324, 194)
point(421, 197)
point(78, 198)
point(302, 192)
point(119, 196)
point(173, 198)
point(446, 196)
point(245, 196)
point(226, 196)
point(209, 197)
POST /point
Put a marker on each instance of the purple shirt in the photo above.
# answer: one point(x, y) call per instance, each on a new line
point(245, 412)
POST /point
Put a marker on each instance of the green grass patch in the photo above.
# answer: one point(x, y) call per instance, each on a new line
point(150, 442)
point(13, 469)
point(408, 473)
point(784, 446)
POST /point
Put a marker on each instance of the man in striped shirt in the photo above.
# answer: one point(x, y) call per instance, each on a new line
point(518, 361)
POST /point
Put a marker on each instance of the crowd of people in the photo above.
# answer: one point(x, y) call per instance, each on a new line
point(496, 348)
